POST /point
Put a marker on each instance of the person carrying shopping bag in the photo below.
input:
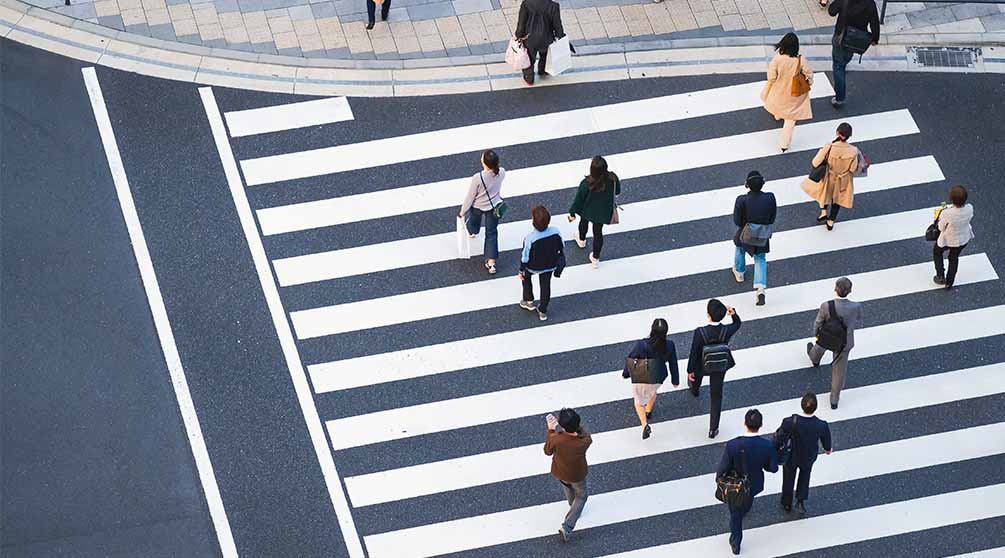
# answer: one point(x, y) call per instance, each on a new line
point(538, 25)
point(786, 95)
point(595, 203)
point(647, 365)
point(831, 182)
point(483, 202)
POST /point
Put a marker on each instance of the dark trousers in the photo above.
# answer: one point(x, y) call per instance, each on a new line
point(371, 9)
point(598, 235)
point(840, 58)
point(715, 392)
point(832, 211)
point(954, 261)
point(528, 289)
point(541, 55)
point(736, 516)
point(789, 481)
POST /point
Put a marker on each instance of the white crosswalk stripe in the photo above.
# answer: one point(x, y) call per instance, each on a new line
point(403, 377)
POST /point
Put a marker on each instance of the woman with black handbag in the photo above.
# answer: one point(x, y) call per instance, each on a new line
point(647, 365)
point(831, 182)
point(954, 234)
point(484, 202)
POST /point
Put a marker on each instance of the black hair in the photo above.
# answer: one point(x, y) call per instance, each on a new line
point(843, 132)
point(754, 181)
point(716, 310)
point(753, 420)
point(658, 336)
point(568, 419)
point(842, 287)
point(789, 45)
point(809, 403)
point(958, 195)
point(491, 161)
point(599, 176)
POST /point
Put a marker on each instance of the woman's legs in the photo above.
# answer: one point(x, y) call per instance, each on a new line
point(787, 129)
point(641, 411)
point(371, 10)
point(528, 287)
point(954, 263)
point(583, 225)
point(491, 237)
point(598, 239)
point(473, 221)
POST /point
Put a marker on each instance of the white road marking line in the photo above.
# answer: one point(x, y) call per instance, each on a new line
point(595, 389)
point(989, 553)
point(161, 322)
point(567, 174)
point(514, 131)
point(617, 328)
point(290, 116)
point(340, 504)
point(887, 520)
point(659, 212)
point(620, 272)
point(668, 436)
point(681, 495)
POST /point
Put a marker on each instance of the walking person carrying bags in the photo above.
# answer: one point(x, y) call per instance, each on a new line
point(538, 25)
point(786, 95)
point(647, 366)
point(483, 202)
point(831, 182)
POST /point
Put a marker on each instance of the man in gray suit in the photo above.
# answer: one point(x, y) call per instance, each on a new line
point(850, 313)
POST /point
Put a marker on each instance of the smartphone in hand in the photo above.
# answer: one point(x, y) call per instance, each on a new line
point(552, 423)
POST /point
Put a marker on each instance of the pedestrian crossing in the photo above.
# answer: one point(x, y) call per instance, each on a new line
point(431, 384)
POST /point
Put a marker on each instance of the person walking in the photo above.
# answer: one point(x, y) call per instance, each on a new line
point(802, 434)
point(710, 356)
point(538, 25)
point(834, 327)
point(785, 68)
point(484, 195)
point(543, 255)
point(371, 11)
point(860, 14)
point(595, 204)
point(566, 443)
point(648, 365)
point(748, 455)
point(753, 215)
point(954, 234)
point(836, 187)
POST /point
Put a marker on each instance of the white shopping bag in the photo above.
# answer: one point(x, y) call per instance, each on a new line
point(516, 55)
point(559, 57)
point(463, 241)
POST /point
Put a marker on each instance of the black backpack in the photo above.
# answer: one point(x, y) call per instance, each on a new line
point(833, 333)
point(715, 357)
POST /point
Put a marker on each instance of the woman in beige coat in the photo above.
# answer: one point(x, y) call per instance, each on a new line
point(836, 189)
point(777, 93)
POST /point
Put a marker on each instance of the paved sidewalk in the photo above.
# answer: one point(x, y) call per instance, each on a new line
point(418, 29)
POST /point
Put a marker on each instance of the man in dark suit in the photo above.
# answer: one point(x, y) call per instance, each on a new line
point(850, 313)
point(806, 432)
point(715, 332)
point(748, 455)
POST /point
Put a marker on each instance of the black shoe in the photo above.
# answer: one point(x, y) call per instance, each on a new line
point(830, 226)
point(809, 347)
point(713, 433)
point(760, 299)
point(822, 218)
point(369, 26)
point(834, 406)
point(801, 507)
point(735, 547)
point(646, 432)
point(786, 507)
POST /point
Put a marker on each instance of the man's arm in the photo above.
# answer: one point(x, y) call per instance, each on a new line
point(772, 461)
point(672, 363)
point(694, 357)
point(825, 439)
point(549, 442)
point(556, 23)
point(725, 464)
point(738, 211)
point(821, 316)
point(521, 22)
point(874, 23)
point(735, 325)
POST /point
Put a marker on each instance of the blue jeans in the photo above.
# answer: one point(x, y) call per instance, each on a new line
point(840, 57)
point(736, 516)
point(473, 220)
point(760, 266)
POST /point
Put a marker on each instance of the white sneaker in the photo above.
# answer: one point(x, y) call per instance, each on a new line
point(580, 243)
point(542, 316)
point(595, 261)
point(737, 275)
point(528, 305)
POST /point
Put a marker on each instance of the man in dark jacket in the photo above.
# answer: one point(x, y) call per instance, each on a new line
point(715, 332)
point(850, 13)
point(538, 25)
point(748, 455)
point(750, 210)
point(806, 432)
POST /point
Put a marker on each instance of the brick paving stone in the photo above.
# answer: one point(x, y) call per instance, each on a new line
point(654, 11)
point(181, 11)
point(383, 45)
point(255, 19)
point(163, 32)
point(231, 20)
point(205, 13)
point(307, 27)
point(778, 21)
point(184, 27)
point(698, 6)
point(640, 28)
point(610, 14)
point(731, 22)
point(224, 6)
point(402, 29)
point(678, 7)
point(665, 25)
point(129, 5)
point(323, 9)
point(748, 7)
point(772, 7)
point(574, 31)
point(706, 19)
point(502, 33)
point(634, 12)
point(281, 25)
point(474, 29)
point(969, 11)
point(153, 4)
point(431, 43)
point(450, 32)
point(431, 11)
point(259, 34)
point(287, 39)
point(158, 17)
point(755, 21)
point(821, 18)
point(115, 22)
point(311, 43)
point(593, 31)
point(588, 15)
point(795, 7)
point(994, 22)
point(684, 22)
point(804, 20)
point(106, 8)
point(210, 31)
point(298, 13)
point(236, 35)
point(471, 6)
point(931, 16)
point(425, 28)
point(616, 29)
point(496, 18)
point(725, 7)
point(135, 16)
point(407, 44)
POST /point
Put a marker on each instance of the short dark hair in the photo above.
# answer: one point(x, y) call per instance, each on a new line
point(716, 310)
point(843, 287)
point(844, 131)
point(753, 420)
point(958, 195)
point(568, 419)
point(540, 217)
point(809, 403)
point(789, 45)
point(754, 181)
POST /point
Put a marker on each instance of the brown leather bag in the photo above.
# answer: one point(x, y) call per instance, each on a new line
point(800, 84)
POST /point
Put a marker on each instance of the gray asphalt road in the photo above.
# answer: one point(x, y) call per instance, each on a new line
point(70, 284)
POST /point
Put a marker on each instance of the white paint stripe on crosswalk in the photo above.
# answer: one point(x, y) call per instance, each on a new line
point(989, 553)
point(680, 495)
point(826, 531)
point(619, 328)
point(565, 175)
point(290, 116)
point(668, 436)
point(514, 131)
point(595, 389)
point(659, 212)
point(622, 272)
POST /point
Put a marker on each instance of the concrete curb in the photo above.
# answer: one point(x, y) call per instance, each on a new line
point(434, 76)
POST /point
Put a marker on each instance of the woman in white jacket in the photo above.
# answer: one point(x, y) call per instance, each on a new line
point(954, 234)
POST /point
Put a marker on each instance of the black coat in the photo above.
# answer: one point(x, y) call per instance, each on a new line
point(759, 454)
point(754, 207)
point(541, 22)
point(643, 349)
point(858, 13)
point(715, 333)
point(810, 432)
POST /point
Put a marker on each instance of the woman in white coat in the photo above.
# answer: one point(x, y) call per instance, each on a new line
point(954, 234)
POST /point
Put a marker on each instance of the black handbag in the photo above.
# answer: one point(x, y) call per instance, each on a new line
point(645, 370)
point(820, 171)
point(853, 39)
point(932, 232)
point(786, 449)
point(733, 488)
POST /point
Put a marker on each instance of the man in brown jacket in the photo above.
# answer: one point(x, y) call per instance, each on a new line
point(567, 444)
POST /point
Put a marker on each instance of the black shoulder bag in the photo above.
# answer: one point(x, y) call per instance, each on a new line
point(786, 450)
point(853, 39)
point(733, 488)
point(833, 333)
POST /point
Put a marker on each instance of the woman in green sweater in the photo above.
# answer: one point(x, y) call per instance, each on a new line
point(594, 203)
